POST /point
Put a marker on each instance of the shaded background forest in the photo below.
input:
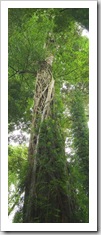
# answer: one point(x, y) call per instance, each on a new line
point(34, 34)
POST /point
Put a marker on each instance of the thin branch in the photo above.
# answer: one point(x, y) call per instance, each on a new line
point(13, 74)
point(21, 72)
point(12, 68)
point(63, 9)
point(67, 73)
point(25, 71)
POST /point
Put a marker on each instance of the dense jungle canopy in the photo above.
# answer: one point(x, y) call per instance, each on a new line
point(48, 100)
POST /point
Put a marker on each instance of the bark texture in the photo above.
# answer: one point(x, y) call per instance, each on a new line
point(43, 97)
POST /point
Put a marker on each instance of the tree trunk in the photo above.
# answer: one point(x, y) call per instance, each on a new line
point(43, 97)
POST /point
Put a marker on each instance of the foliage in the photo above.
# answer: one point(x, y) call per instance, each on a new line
point(26, 51)
point(31, 40)
point(65, 16)
point(81, 137)
point(79, 168)
point(18, 216)
point(62, 185)
point(17, 168)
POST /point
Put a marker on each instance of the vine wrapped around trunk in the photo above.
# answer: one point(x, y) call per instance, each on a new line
point(46, 196)
point(43, 97)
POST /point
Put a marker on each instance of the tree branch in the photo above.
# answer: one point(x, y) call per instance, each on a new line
point(12, 68)
point(13, 75)
point(67, 73)
point(21, 72)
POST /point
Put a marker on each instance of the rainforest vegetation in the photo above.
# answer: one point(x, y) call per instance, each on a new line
point(48, 102)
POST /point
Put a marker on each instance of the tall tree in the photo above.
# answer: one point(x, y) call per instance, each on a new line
point(42, 110)
point(39, 41)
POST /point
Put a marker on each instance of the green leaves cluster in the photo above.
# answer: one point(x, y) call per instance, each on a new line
point(79, 169)
point(32, 37)
point(17, 168)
